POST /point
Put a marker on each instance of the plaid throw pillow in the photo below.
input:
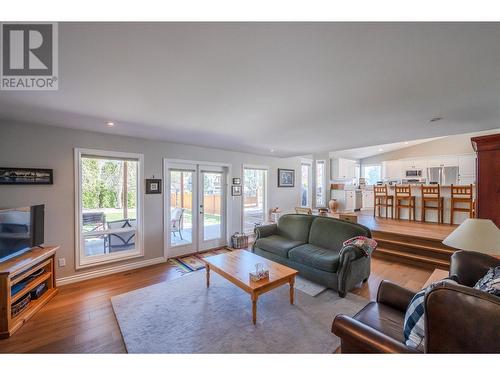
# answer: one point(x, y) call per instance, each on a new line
point(414, 324)
point(490, 282)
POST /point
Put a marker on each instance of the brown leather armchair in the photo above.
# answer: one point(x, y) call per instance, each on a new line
point(458, 318)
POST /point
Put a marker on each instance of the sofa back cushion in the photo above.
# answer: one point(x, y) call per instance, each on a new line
point(295, 227)
point(330, 233)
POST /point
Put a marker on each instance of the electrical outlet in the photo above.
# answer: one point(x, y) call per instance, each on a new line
point(61, 262)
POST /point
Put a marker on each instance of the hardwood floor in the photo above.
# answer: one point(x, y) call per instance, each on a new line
point(80, 318)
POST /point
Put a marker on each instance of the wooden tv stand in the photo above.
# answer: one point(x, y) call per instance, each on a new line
point(17, 270)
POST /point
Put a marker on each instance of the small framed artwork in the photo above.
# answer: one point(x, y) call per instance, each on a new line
point(153, 186)
point(237, 181)
point(236, 190)
point(26, 176)
point(286, 177)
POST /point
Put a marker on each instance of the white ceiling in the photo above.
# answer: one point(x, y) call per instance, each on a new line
point(366, 152)
point(297, 88)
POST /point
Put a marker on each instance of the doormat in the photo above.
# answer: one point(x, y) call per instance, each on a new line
point(190, 263)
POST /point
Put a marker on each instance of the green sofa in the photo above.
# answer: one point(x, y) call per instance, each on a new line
point(313, 246)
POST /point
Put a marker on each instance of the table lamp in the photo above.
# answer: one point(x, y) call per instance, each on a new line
point(481, 235)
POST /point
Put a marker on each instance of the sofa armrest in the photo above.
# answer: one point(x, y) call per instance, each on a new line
point(348, 255)
point(265, 230)
point(460, 319)
point(360, 338)
point(470, 266)
point(395, 296)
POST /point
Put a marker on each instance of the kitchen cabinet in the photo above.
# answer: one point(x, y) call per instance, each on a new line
point(443, 161)
point(413, 164)
point(391, 170)
point(467, 165)
point(346, 200)
point(343, 169)
point(367, 197)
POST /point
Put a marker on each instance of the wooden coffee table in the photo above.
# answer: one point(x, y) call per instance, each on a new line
point(235, 266)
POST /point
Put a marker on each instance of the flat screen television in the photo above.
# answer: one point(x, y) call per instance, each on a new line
point(20, 230)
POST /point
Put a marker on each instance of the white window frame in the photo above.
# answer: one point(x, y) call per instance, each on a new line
point(81, 261)
point(266, 189)
point(323, 184)
point(363, 168)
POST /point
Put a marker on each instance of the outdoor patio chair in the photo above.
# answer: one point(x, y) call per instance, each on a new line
point(123, 240)
point(96, 219)
point(176, 221)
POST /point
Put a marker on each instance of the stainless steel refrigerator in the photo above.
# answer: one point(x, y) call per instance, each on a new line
point(442, 175)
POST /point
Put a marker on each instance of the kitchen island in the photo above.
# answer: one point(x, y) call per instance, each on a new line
point(431, 215)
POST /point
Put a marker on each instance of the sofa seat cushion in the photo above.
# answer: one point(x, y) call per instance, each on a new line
point(384, 319)
point(277, 245)
point(315, 257)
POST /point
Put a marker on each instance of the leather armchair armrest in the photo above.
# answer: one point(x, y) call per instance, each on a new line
point(393, 295)
point(460, 319)
point(470, 266)
point(265, 230)
point(364, 338)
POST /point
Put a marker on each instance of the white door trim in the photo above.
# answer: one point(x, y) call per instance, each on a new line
point(166, 193)
point(266, 200)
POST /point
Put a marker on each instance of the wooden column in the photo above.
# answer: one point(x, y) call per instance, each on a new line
point(488, 177)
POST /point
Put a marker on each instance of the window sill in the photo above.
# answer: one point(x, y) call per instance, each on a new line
point(108, 259)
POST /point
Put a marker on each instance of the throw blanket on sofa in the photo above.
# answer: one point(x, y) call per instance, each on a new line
point(368, 245)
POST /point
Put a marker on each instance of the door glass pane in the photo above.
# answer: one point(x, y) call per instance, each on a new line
point(212, 205)
point(320, 182)
point(181, 207)
point(109, 202)
point(304, 193)
point(254, 183)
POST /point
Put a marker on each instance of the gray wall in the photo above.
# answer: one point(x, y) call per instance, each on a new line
point(453, 144)
point(26, 145)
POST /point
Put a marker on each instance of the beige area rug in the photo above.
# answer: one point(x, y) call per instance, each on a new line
point(191, 263)
point(183, 316)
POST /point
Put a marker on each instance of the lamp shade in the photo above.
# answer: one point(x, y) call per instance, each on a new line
point(480, 235)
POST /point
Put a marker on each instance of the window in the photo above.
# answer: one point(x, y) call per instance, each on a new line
point(108, 206)
point(254, 197)
point(320, 183)
point(372, 174)
point(305, 185)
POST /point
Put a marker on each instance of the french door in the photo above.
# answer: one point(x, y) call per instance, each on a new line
point(195, 207)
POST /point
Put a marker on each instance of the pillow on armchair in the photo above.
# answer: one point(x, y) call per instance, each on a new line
point(490, 282)
point(414, 322)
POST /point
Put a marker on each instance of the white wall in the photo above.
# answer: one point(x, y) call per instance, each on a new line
point(36, 146)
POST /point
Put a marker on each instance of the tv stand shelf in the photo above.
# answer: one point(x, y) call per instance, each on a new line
point(24, 268)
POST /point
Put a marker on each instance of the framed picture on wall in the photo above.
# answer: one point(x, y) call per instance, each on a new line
point(236, 190)
point(153, 186)
point(236, 181)
point(286, 177)
point(26, 176)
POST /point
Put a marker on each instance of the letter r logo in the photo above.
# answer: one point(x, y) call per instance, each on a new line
point(27, 49)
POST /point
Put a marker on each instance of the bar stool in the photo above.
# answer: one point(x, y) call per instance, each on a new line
point(402, 194)
point(382, 199)
point(461, 194)
point(432, 193)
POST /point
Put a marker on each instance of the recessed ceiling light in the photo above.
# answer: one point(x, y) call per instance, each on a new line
point(380, 149)
point(437, 118)
point(110, 124)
